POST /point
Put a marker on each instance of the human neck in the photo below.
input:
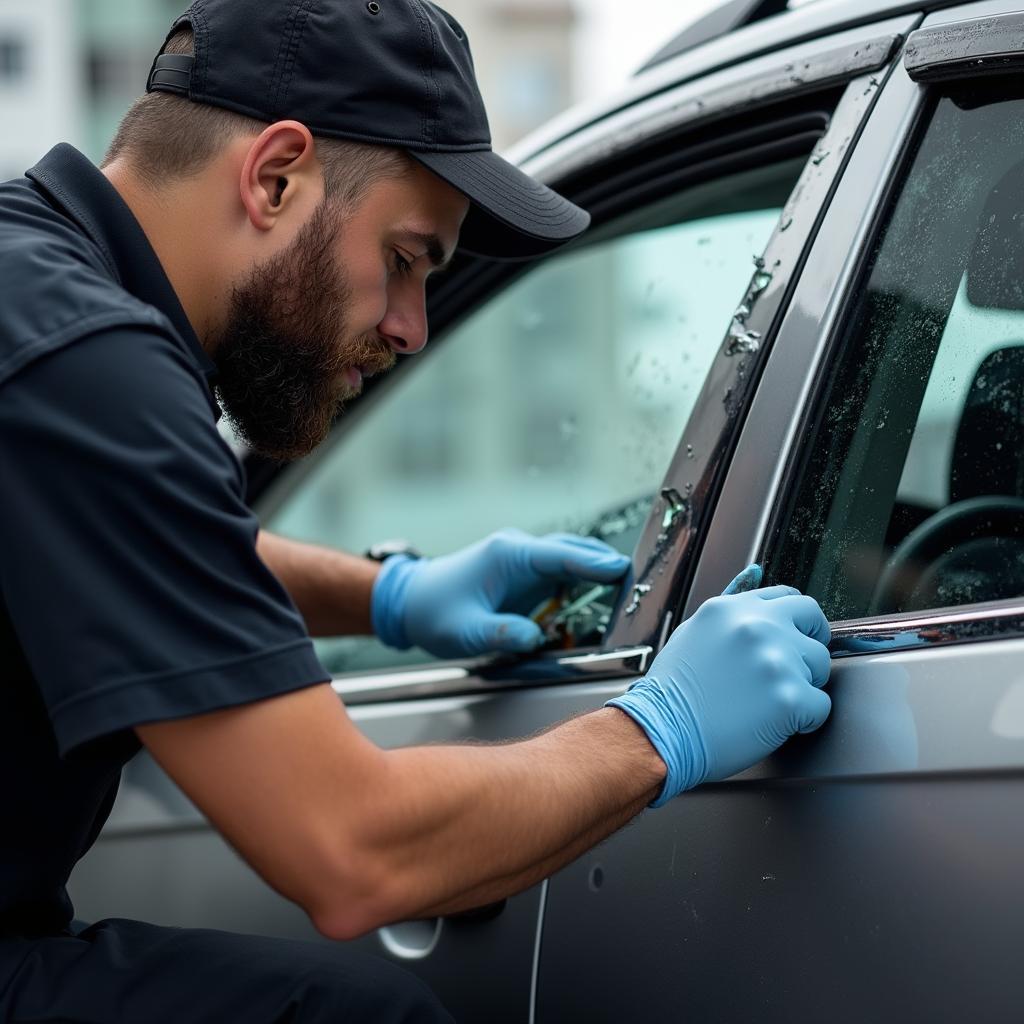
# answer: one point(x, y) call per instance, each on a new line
point(181, 228)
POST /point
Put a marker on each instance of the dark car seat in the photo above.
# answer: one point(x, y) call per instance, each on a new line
point(972, 550)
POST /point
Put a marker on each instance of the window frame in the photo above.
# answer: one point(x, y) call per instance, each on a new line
point(800, 371)
point(751, 102)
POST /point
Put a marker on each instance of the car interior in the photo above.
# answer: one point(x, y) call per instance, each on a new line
point(927, 456)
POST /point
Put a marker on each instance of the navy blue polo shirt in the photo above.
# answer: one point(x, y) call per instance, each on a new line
point(130, 587)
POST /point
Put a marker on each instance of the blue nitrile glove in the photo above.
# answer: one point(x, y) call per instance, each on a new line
point(477, 599)
point(749, 579)
point(732, 684)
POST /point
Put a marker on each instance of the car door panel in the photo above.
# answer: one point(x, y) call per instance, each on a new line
point(843, 879)
point(158, 860)
point(868, 871)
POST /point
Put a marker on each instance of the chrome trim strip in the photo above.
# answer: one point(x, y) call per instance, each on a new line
point(422, 677)
point(940, 627)
point(497, 676)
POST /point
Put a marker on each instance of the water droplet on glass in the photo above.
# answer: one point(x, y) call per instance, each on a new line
point(676, 505)
point(532, 320)
point(568, 428)
point(741, 341)
point(639, 592)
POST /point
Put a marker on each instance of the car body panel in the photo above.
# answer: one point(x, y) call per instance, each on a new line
point(158, 860)
point(869, 872)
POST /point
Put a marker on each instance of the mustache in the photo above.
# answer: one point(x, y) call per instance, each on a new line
point(372, 354)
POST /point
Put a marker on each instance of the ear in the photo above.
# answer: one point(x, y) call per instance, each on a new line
point(280, 166)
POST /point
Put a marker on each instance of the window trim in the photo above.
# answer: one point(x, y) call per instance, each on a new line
point(748, 513)
point(497, 675)
point(939, 627)
point(703, 458)
point(973, 48)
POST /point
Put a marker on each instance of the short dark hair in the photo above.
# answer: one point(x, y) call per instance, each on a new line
point(167, 137)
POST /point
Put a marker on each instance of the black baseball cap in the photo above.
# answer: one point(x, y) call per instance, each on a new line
point(388, 72)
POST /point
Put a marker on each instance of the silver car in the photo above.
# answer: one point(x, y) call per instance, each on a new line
point(795, 335)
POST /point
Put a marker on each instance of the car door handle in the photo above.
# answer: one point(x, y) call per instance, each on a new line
point(411, 940)
point(414, 940)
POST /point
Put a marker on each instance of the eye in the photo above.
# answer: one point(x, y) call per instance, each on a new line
point(403, 265)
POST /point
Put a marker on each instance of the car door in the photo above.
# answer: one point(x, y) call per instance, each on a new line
point(871, 871)
point(593, 391)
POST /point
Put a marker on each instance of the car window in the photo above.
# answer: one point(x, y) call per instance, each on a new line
point(555, 406)
point(911, 493)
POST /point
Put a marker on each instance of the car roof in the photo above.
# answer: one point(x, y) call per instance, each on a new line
point(733, 32)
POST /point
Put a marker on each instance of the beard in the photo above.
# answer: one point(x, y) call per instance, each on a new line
point(286, 345)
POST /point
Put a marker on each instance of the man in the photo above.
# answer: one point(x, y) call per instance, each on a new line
point(265, 223)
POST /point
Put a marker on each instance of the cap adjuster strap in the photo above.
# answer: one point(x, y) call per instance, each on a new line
point(172, 72)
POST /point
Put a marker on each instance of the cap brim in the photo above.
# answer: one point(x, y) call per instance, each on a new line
point(513, 217)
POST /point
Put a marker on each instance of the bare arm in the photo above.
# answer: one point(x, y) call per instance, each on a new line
point(330, 588)
point(360, 837)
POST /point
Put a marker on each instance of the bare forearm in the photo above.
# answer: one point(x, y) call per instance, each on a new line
point(330, 588)
point(472, 825)
point(498, 889)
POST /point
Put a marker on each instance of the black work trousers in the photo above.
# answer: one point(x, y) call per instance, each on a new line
point(126, 972)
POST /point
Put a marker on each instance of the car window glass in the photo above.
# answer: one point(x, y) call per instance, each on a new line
point(912, 491)
point(555, 406)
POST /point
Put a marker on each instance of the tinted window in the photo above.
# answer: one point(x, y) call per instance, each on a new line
point(557, 405)
point(912, 493)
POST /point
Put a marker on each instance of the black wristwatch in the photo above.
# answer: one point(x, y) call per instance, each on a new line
point(386, 548)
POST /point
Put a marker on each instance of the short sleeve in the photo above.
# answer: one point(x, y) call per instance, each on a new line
point(128, 559)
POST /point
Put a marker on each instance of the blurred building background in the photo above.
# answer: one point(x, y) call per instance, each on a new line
point(70, 68)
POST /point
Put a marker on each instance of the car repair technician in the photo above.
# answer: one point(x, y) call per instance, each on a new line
point(263, 226)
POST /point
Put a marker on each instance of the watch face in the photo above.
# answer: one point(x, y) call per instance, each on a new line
point(386, 548)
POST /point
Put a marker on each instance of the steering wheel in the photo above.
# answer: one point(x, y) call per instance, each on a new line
point(959, 539)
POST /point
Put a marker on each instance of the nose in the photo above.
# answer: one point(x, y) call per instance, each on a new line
point(404, 326)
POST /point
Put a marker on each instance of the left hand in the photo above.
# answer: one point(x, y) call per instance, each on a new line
point(477, 599)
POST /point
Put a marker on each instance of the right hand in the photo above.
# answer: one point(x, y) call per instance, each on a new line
point(733, 683)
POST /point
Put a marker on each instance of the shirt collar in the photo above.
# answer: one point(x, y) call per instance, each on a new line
point(73, 183)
